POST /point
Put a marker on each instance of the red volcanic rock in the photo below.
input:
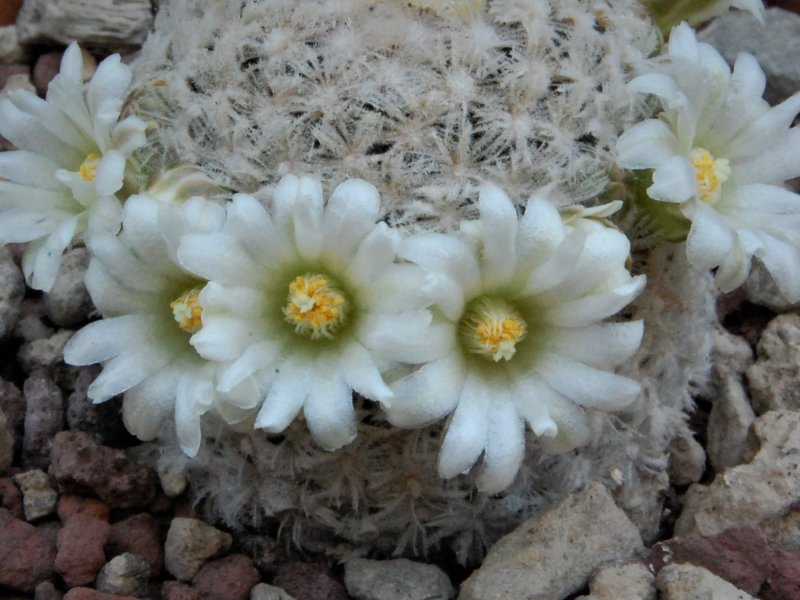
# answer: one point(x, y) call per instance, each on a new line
point(11, 498)
point(228, 578)
point(84, 593)
point(138, 535)
point(69, 505)
point(8, 12)
point(44, 418)
point(27, 554)
point(80, 548)
point(176, 590)
point(309, 582)
point(82, 466)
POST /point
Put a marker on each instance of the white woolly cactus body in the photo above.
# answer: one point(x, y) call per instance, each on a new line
point(523, 94)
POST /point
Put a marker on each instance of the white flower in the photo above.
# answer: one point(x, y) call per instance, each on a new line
point(150, 311)
point(523, 299)
point(70, 164)
point(722, 155)
point(309, 299)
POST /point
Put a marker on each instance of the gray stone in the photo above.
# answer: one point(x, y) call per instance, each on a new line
point(126, 575)
point(6, 442)
point(12, 289)
point(774, 45)
point(11, 51)
point(764, 488)
point(687, 582)
point(391, 579)
point(171, 476)
point(190, 543)
point(730, 353)
point(554, 554)
point(263, 591)
point(728, 423)
point(14, 407)
point(632, 581)
point(47, 591)
point(111, 24)
point(774, 379)
point(44, 418)
point(31, 328)
point(760, 289)
point(44, 353)
point(39, 497)
point(68, 303)
point(687, 460)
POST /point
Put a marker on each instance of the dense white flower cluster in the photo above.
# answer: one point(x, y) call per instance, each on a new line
point(271, 313)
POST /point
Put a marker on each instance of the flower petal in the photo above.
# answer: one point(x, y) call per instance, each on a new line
point(329, 410)
point(359, 371)
point(602, 346)
point(350, 215)
point(505, 447)
point(499, 224)
point(108, 338)
point(286, 395)
point(254, 358)
point(710, 239)
point(125, 371)
point(193, 397)
point(439, 253)
point(646, 145)
point(467, 431)
point(375, 254)
point(674, 181)
point(150, 403)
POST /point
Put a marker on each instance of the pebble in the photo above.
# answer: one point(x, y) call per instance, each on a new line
point(11, 498)
point(766, 487)
point(728, 423)
point(308, 581)
point(44, 353)
point(70, 504)
point(6, 443)
point(27, 553)
point(38, 496)
point(125, 574)
point(81, 465)
point(46, 591)
point(264, 591)
point(228, 578)
point(139, 534)
point(554, 554)
point(85, 593)
point(44, 418)
point(101, 421)
point(771, 44)
point(390, 579)
point(11, 51)
point(775, 377)
point(686, 582)
point(175, 590)
point(13, 405)
point(170, 475)
point(190, 543)
point(12, 284)
point(80, 549)
point(632, 581)
point(68, 303)
point(687, 460)
point(742, 556)
point(111, 24)
point(760, 289)
point(8, 11)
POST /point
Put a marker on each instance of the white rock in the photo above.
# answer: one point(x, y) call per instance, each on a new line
point(190, 543)
point(39, 497)
point(110, 24)
point(263, 591)
point(765, 488)
point(554, 554)
point(632, 581)
point(687, 582)
point(392, 579)
point(126, 575)
point(171, 476)
point(11, 51)
point(728, 423)
point(775, 377)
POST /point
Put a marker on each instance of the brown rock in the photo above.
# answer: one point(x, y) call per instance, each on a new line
point(11, 498)
point(44, 418)
point(190, 543)
point(46, 67)
point(81, 465)
point(228, 578)
point(8, 11)
point(176, 590)
point(13, 406)
point(70, 504)
point(139, 535)
point(80, 549)
point(102, 421)
point(27, 554)
point(84, 593)
point(308, 581)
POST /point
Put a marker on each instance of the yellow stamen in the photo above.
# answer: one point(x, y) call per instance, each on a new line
point(492, 328)
point(710, 173)
point(315, 306)
point(88, 168)
point(186, 310)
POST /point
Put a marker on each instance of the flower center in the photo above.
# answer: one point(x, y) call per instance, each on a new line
point(186, 310)
point(88, 168)
point(710, 173)
point(492, 328)
point(315, 306)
